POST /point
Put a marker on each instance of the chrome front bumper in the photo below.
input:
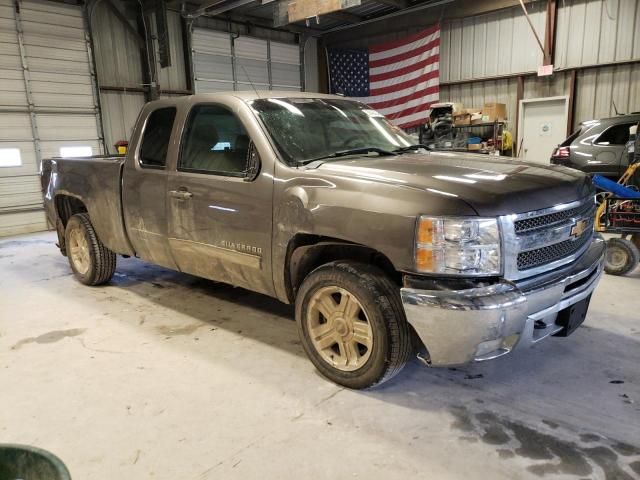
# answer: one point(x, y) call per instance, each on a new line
point(461, 326)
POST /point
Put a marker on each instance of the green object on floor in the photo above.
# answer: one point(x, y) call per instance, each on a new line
point(22, 462)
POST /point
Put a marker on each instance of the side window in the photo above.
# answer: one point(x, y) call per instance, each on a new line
point(156, 137)
point(215, 141)
point(616, 135)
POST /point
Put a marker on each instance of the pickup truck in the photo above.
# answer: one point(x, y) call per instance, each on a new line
point(386, 249)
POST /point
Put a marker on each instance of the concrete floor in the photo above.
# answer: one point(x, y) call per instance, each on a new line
point(166, 376)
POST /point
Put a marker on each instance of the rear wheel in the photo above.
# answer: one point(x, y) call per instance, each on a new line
point(622, 256)
point(91, 262)
point(352, 324)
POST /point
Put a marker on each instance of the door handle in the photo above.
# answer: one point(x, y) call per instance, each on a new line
point(181, 194)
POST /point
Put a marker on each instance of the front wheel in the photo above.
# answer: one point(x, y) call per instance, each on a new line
point(352, 324)
point(91, 262)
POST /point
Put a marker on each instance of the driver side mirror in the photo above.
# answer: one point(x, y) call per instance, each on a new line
point(253, 163)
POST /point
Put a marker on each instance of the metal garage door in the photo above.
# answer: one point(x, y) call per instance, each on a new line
point(47, 103)
point(221, 62)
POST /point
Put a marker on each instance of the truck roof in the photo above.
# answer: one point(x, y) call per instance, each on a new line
point(246, 95)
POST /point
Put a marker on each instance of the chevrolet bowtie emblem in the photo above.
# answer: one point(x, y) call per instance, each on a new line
point(579, 228)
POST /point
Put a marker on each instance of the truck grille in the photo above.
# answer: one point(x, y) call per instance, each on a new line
point(541, 239)
point(551, 253)
point(529, 224)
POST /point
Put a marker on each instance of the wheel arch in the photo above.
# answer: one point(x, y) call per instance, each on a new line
point(66, 206)
point(306, 252)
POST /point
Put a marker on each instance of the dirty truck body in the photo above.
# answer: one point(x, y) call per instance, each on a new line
point(318, 201)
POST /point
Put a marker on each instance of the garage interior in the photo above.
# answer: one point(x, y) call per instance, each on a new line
point(162, 374)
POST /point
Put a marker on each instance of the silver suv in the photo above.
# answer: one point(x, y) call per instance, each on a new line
point(598, 146)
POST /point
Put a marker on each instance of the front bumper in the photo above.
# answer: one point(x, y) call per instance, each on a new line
point(476, 324)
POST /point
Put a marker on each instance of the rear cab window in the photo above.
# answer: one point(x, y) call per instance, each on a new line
point(156, 138)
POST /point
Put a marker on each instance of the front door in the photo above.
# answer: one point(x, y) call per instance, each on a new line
point(220, 223)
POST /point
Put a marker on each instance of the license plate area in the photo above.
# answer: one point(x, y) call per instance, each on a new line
point(572, 317)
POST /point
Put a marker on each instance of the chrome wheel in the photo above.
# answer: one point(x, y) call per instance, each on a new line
point(79, 251)
point(339, 328)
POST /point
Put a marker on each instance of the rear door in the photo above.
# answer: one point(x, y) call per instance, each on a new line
point(219, 222)
point(144, 187)
point(610, 149)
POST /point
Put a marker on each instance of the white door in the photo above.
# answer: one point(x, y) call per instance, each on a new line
point(543, 125)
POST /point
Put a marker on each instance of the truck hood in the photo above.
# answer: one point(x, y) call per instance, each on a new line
point(490, 185)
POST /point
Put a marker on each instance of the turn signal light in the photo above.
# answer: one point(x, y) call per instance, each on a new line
point(429, 230)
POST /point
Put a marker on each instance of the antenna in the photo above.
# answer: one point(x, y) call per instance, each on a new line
point(249, 78)
point(233, 39)
point(615, 109)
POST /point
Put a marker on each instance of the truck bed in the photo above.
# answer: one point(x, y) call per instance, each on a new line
point(95, 181)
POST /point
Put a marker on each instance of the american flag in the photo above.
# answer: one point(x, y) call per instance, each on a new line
point(400, 79)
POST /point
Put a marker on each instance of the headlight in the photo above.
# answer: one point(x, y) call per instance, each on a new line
point(458, 245)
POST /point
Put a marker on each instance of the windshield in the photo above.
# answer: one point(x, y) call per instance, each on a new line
point(311, 128)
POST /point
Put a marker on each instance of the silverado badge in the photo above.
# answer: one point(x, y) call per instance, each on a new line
point(579, 228)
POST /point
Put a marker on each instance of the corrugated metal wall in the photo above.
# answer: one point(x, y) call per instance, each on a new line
point(600, 88)
point(120, 63)
point(498, 43)
point(597, 31)
point(589, 32)
point(225, 61)
point(47, 100)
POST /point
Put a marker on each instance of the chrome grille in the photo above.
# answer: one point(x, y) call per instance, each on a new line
point(551, 253)
point(533, 223)
point(540, 240)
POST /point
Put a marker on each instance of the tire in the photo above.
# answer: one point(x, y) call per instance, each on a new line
point(376, 314)
point(91, 262)
point(622, 256)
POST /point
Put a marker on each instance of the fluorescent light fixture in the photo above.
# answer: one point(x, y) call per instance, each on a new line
point(10, 157)
point(82, 151)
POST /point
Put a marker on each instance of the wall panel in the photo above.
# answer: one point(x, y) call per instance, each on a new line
point(49, 104)
point(497, 43)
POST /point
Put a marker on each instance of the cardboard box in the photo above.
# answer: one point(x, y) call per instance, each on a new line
point(476, 118)
point(494, 112)
point(474, 146)
point(461, 119)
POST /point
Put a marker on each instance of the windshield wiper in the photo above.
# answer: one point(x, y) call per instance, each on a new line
point(353, 151)
point(417, 146)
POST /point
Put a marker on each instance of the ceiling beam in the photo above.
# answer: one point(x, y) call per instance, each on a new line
point(399, 4)
point(228, 6)
point(217, 7)
point(266, 23)
point(344, 16)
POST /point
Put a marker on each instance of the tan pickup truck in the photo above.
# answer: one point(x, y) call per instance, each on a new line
point(384, 247)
